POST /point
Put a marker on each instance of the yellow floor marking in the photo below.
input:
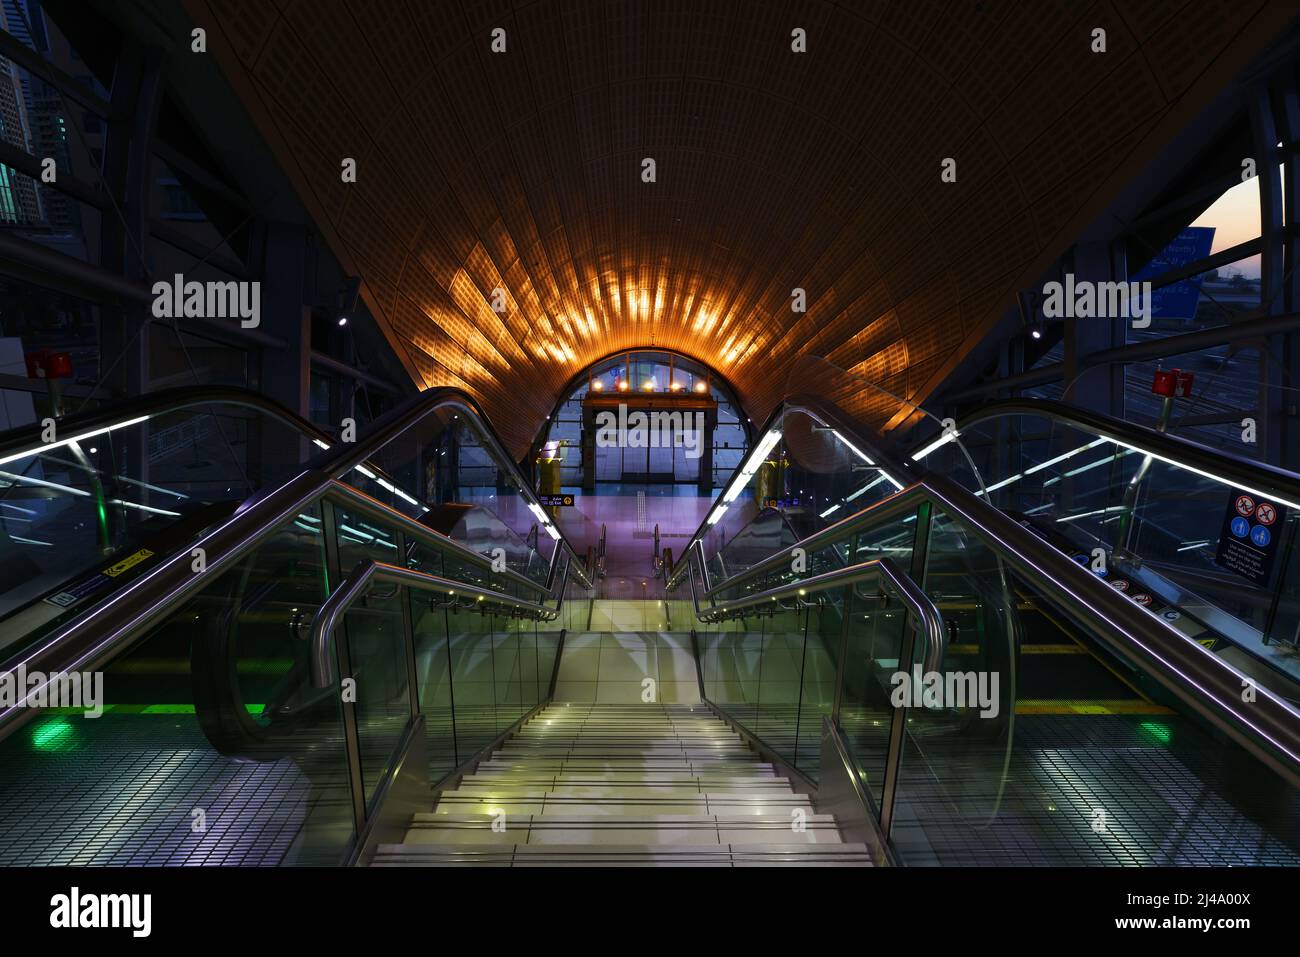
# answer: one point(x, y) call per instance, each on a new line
point(1124, 706)
point(1025, 649)
point(1101, 661)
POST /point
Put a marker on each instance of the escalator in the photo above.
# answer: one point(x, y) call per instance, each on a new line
point(92, 501)
point(1069, 723)
point(288, 659)
point(286, 682)
point(1156, 517)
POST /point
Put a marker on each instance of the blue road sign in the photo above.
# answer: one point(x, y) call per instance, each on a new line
point(1178, 300)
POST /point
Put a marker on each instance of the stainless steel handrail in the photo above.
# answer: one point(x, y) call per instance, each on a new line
point(815, 542)
point(1267, 726)
point(916, 600)
point(26, 439)
point(1173, 449)
point(825, 414)
point(359, 501)
point(368, 573)
point(90, 639)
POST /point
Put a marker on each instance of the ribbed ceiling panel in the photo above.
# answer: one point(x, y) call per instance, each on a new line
point(775, 170)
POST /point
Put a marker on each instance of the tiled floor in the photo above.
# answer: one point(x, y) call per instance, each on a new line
point(607, 784)
point(124, 790)
point(1079, 790)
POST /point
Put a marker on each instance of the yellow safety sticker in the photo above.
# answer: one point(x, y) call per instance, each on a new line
point(112, 571)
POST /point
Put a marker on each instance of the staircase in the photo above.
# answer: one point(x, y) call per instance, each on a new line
point(623, 784)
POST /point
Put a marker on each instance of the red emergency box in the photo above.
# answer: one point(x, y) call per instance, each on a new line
point(47, 364)
point(1171, 382)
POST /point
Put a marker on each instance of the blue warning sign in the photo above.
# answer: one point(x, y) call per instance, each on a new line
point(1247, 545)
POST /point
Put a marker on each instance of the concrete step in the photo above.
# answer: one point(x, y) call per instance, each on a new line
point(612, 855)
point(623, 785)
point(618, 779)
point(640, 829)
point(597, 802)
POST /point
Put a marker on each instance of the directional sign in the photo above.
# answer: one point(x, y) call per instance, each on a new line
point(1180, 299)
point(556, 500)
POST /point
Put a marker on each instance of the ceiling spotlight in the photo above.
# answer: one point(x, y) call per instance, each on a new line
point(598, 386)
point(1036, 332)
point(701, 387)
point(348, 298)
point(649, 386)
point(622, 385)
point(677, 387)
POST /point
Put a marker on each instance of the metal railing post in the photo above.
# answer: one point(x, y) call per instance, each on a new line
point(898, 723)
point(408, 636)
point(841, 665)
point(351, 733)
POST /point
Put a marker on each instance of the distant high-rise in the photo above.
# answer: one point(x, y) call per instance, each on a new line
point(19, 202)
point(46, 117)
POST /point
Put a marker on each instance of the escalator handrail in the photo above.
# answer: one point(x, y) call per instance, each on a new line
point(344, 494)
point(368, 573)
point(815, 542)
point(105, 630)
point(1268, 727)
point(26, 439)
point(1251, 476)
point(913, 596)
point(827, 415)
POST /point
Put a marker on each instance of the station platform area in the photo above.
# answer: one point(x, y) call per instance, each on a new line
point(583, 434)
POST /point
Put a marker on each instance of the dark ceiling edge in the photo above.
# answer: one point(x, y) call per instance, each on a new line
point(1180, 157)
point(220, 48)
point(1250, 42)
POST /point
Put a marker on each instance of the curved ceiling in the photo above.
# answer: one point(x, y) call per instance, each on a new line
point(522, 170)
